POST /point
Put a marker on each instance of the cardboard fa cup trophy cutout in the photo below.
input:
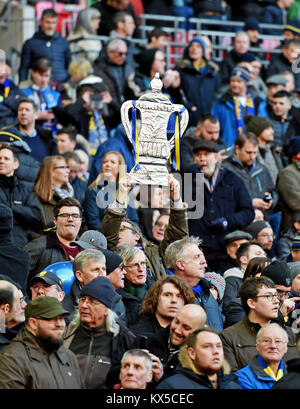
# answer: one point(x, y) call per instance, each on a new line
point(151, 145)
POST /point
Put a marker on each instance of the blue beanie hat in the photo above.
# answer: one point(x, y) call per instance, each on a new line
point(251, 24)
point(101, 289)
point(200, 41)
point(241, 72)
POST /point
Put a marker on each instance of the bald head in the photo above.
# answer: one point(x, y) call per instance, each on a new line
point(188, 318)
point(11, 303)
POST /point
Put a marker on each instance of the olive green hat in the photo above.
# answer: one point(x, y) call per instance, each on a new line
point(44, 307)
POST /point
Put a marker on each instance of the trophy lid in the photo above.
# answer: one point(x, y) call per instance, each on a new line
point(156, 84)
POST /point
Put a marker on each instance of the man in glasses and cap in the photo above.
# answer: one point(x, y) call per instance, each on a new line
point(36, 359)
point(46, 283)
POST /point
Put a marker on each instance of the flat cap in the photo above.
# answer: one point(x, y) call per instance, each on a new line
point(204, 145)
point(276, 80)
point(237, 235)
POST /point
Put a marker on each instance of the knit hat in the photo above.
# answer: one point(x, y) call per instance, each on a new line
point(44, 307)
point(241, 72)
point(217, 281)
point(251, 24)
point(237, 235)
point(101, 289)
point(295, 145)
point(279, 272)
point(257, 124)
point(6, 219)
point(256, 227)
point(295, 268)
point(199, 41)
point(113, 260)
point(293, 26)
point(91, 239)
point(48, 277)
point(296, 242)
point(145, 60)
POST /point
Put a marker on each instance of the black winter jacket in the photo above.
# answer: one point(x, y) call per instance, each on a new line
point(199, 87)
point(229, 199)
point(19, 196)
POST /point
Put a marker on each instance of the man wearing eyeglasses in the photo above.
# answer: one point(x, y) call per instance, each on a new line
point(261, 303)
point(96, 337)
point(267, 367)
point(56, 246)
point(36, 358)
point(12, 306)
point(48, 284)
point(280, 273)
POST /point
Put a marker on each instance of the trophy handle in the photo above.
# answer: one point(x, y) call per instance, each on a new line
point(126, 106)
point(184, 120)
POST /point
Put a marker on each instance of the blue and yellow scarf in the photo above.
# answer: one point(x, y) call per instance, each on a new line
point(239, 111)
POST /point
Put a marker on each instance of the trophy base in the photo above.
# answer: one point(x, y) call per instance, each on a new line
point(149, 175)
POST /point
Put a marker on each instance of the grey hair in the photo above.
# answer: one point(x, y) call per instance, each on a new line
point(85, 256)
point(141, 353)
point(176, 250)
point(114, 43)
point(84, 20)
point(111, 322)
point(128, 253)
point(272, 325)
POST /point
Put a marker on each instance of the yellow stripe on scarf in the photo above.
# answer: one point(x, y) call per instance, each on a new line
point(177, 143)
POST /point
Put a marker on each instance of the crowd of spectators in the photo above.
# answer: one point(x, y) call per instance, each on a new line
point(107, 284)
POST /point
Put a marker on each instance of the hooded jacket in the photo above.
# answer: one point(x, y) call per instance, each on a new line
point(186, 377)
point(199, 87)
point(55, 49)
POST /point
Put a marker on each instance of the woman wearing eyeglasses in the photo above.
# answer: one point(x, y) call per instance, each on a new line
point(51, 185)
point(102, 191)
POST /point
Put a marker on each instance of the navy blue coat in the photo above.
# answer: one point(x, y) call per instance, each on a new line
point(199, 88)
point(230, 199)
point(187, 379)
point(55, 49)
